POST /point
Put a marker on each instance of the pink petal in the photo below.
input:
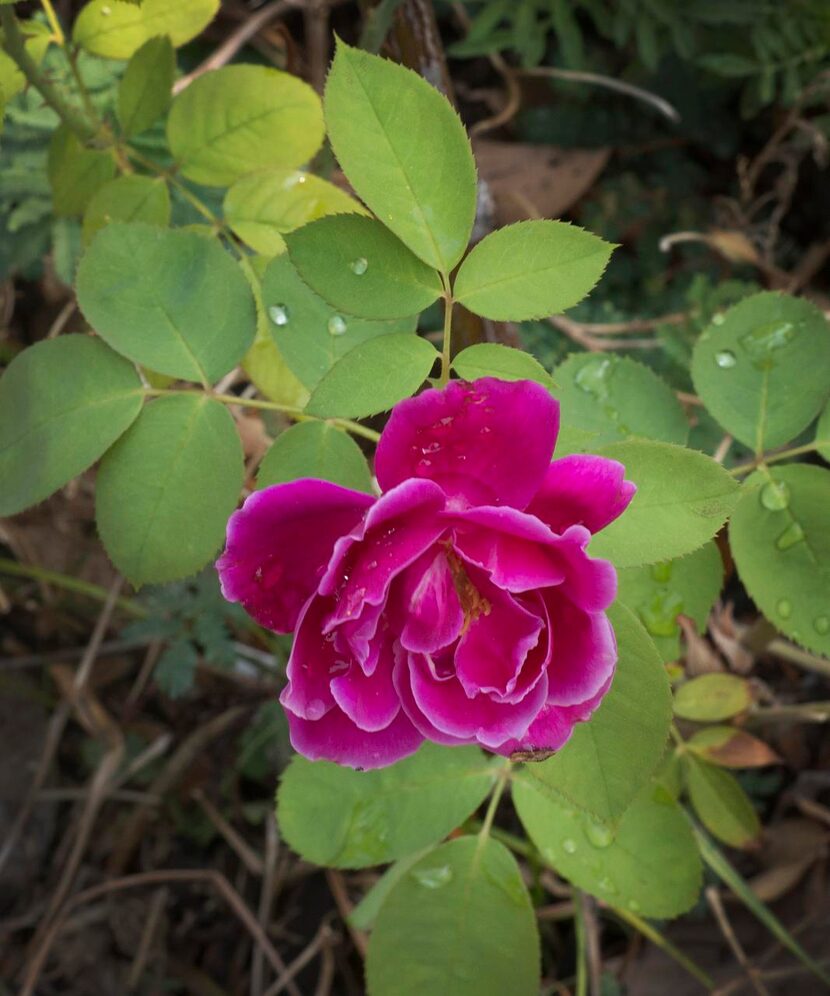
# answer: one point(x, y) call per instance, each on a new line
point(488, 441)
point(336, 738)
point(278, 544)
point(399, 527)
point(446, 706)
point(582, 490)
point(370, 702)
point(590, 583)
point(313, 661)
point(584, 651)
point(491, 655)
point(428, 606)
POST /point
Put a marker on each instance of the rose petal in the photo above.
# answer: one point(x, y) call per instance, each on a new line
point(584, 651)
point(336, 738)
point(279, 543)
point(491, 654)
point(552, 728)
point(427, 604)
point(445, 704)
point(370, 701)
point(313, 661)
point(582, 490)
point(488, 441)
point(398, 528)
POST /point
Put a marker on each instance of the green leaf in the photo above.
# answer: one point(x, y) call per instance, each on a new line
point(174, 301)
point(262, 207)
point(404, 151)
point(145, 91)
point(659, 593)
point(823, 433)
point(115, 29)
point(336, 816)
point(682, 500)
point(364, 915)
point(127, 198)
point(490, 359)
point(166, 489)
point(720, 802)
point(75, 172)
point(650, 865)
point(780, 538)
point(373, 377)
point(63, 402)
point(461, 923)
point(309, 333)
point(315, 449)
point(712, 697)
point(616, 397)
point(530, 270)
point(360, 267)
point(243, 118)
point(746, 363)
point(609, 759)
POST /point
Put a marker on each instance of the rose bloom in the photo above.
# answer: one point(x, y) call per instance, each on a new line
point(461, 606)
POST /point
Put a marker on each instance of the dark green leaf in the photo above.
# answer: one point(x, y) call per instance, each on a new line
point(127, 198)
point(145, 91)
point(75, 172)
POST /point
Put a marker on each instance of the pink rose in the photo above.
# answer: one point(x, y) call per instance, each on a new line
point(461, 605)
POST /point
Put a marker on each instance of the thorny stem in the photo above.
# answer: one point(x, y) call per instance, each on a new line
point(73, 117)
point(296, 413)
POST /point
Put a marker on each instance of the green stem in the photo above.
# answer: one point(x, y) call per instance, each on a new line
point(581, 946)
point(86, 588)
point(355, 428)
point(747, 468)
point(495, 798)
point(73, 117)
point(54, 23)
point(447, 334)
point(665, 944)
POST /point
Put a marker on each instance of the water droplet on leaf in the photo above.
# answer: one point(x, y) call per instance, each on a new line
point(633, 905)
point(598, 834)
point(725, 359)
point(433, 878)
point(719, 318)
point(792, 535)
point(822, 625)
point(569, 846)
point(762, 343)
point(660, 612)
point(607, 885)
point(662, 572)
point(785, 608)
point(592, 377)
point(775, 496)
point(278, 313)
point(359, 266)
point(337, 325)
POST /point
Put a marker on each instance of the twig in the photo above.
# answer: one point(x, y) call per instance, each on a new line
point(63, 316)
point(249, 858)
point(344, 906)
point(576, 331)
point(266, 899)
point(147, 934)
point(208, 876)
point(716, 905)
point(321, 939)
point(236, 40)
point(723, 448)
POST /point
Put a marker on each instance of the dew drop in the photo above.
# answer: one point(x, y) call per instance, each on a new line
point(569, 846)
point(725, 359)
point(607, 885)
point(662, 572)
point(315, 709)
point(433, 447)
point(433, 878)
point(660, 612)
point(719, 318)
point(785, 608)
point(763, 342)
point(278, 313)
point(337, 325)
point(633, 905)
point(592, 377)
point(598, 835)
point(339, 667)
point(821, 624)
point(359, 266)
point(792, 535)
point(106, 11)
point(775, 496)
